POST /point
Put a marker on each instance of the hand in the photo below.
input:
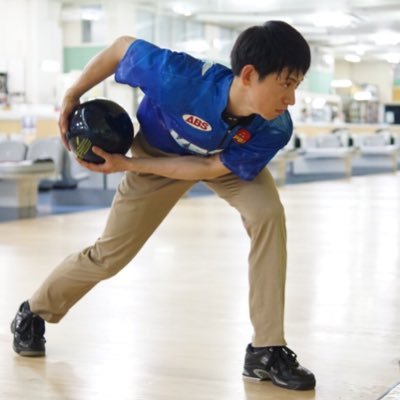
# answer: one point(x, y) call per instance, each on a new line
point(113, 162)
point(68, 105)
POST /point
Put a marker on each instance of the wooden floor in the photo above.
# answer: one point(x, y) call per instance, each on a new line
point(174, 324)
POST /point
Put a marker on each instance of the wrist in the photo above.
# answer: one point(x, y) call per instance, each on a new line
point(72, 94)
point(130, 165)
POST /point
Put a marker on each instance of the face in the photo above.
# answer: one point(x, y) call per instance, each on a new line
point(271, 96)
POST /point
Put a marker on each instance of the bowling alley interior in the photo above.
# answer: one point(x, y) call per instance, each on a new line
point(175, 322)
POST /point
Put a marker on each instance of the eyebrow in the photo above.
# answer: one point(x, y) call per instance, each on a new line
point(293, 79)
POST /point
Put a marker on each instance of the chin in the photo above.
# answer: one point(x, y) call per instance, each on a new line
point(270, 116)
point(273, 115)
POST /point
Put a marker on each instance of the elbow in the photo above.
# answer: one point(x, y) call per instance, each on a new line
point(215, 168)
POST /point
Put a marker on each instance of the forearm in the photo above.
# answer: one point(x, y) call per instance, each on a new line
point(180, 167)
point(100, 67)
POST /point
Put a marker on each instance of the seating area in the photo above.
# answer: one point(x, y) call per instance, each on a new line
point(380, 150)
point(339, 153)
point(44, 164)
point(325, 154)
point(25, 169)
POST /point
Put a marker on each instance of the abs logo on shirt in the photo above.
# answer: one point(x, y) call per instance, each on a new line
point(197, 122)
point(242, 136)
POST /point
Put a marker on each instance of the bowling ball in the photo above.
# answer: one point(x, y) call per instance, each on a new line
point(102, 123)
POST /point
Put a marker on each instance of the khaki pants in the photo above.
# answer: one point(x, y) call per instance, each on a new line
point(141, 203)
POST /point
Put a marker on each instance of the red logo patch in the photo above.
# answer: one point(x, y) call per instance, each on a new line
point(197, 122)
point(242, 136)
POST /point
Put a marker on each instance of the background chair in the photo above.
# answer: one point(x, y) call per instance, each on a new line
point(12, 150)
point(47, 149)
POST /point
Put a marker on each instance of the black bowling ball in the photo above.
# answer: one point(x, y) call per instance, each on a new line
point(102, 123)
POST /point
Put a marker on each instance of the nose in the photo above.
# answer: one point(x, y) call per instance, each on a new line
point(290, 98)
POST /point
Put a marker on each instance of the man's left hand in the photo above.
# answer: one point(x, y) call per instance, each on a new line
point(113, 162)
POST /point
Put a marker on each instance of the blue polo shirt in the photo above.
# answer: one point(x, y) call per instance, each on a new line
point(181, 111)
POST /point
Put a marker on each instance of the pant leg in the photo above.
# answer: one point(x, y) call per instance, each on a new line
point(263, 217)
point(141, 203)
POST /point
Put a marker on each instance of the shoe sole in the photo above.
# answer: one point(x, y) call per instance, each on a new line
point(29, 353)
point(308, 386)
point(254, 379)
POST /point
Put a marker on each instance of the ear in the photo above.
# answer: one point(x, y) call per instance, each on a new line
point(247, 74)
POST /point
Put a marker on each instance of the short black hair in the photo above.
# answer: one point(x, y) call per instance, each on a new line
point(270, 48)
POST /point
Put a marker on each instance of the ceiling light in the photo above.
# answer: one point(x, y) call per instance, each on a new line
point(352, 58)
point(88, 13)
point(237, 18)
point(361, 49)
point(363, 96)
point(312, 30)
point(334, 19)
point(182, 10)
point(92, 13)
point(393, 58)
point(384, 38)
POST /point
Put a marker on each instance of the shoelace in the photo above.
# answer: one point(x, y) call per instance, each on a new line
point(24, 325)
point(24, 322)
point(283, 354)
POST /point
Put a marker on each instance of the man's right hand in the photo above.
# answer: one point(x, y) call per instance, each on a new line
point(68, 105)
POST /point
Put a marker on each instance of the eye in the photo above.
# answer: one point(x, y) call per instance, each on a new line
point(289, 84)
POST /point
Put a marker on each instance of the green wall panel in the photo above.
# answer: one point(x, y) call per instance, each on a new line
point(78, 57)
point(319, 81)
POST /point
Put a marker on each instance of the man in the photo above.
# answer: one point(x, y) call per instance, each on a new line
point(198, 122)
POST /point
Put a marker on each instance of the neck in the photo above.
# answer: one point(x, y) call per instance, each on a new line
point(237, 104)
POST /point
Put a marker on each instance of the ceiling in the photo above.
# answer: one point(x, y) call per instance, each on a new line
point(368, 29)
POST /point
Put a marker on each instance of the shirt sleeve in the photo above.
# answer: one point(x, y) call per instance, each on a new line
point(153, 69)
point(247, 160)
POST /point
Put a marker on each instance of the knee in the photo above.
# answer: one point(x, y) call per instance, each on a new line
point(265, 214)
point(105, 266)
